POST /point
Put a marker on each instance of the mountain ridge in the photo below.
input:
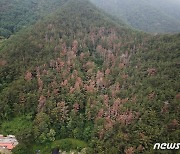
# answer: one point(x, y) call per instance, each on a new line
point(143, 15)
point(78, 75)
point(16, 15)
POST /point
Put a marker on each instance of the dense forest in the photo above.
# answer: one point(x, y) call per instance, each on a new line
point(18, 14)
point(79, 80)
point(155, 16)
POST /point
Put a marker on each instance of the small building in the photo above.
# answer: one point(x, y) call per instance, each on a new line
point(8, 146)
point(11, 136)
point(1, 136)
point(8, 142)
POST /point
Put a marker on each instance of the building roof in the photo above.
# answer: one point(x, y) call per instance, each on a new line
point(9, 146)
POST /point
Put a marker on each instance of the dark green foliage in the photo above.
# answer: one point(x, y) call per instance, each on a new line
point(21, 149)
point(16, 15)
point(78, 74)
point(17, 125)
point(69, 144)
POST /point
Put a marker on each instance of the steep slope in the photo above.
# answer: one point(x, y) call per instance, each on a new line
point(149, 16)
point(15, 15)
point(78, 74)
point(171, 8)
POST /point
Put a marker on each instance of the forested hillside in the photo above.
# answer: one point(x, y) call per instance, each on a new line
point(78, 79)
point(17, 14)
point(157, 16)
point(171, 8)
